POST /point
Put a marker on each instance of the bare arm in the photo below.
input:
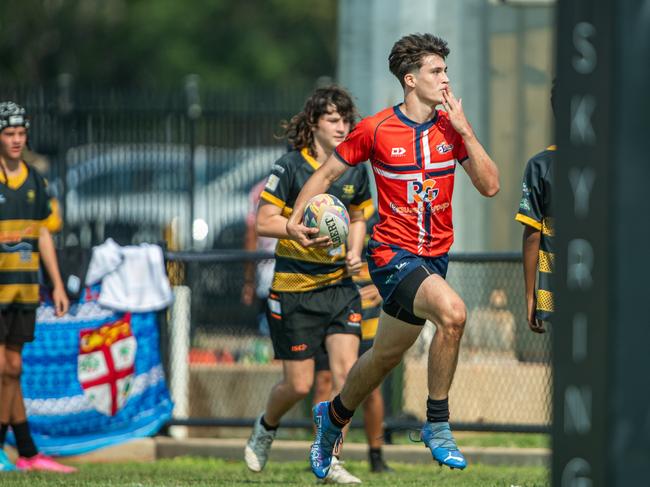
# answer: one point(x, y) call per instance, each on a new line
point(270, 222)
point(530, 250)
point(480, 168)
point(48, 255)
point(318, 183)
point(356, 237)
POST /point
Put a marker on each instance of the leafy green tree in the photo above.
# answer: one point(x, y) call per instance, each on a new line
point(240, 43)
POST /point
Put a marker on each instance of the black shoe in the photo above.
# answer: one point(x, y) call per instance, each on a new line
point(377, 463)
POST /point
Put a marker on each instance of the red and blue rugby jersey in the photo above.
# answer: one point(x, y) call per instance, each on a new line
point(414, 167)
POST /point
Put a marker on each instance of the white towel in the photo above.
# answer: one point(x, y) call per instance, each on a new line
point(133, 277)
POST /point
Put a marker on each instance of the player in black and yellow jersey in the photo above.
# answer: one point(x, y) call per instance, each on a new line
point(25, 214)
point(535, 212)
point(373, 405)
point(313, 302)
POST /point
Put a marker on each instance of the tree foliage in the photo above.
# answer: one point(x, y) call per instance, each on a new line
point(158, 42)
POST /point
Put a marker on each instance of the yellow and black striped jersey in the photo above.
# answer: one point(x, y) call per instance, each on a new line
point(24, 208)
point(535, 210)
point(300, 269)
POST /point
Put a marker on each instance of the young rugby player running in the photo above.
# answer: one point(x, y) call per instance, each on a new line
point(313, 302)
point(414, 150)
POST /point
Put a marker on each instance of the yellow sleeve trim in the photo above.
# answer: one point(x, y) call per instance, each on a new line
point(526, 220)
point(272, 199)
point(54, 223)
point(361, 205)
point(368, 211)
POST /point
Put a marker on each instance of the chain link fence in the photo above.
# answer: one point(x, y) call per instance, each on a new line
point(168, 166)
point(502, 382)
point(175, 167)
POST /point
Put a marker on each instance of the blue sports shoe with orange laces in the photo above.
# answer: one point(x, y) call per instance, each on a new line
point(328, 440)
point(438, 437)
point(5, 463)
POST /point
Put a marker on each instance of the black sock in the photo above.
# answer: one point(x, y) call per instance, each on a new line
point(438, 410)
point(3, 434)
point(267, 426)
point(375, 452)
point(24, 442)
point(338, 413)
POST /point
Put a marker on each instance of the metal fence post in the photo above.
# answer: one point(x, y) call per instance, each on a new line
point(179, 371)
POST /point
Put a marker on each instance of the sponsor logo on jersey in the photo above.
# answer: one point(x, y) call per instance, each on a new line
point(397, 152)
point(278, 168)
point(421, 191)
point(414, 210)
point(354, 319)
point(31, 196)
point(348, 189)
point(272, 182)
point(443, 148)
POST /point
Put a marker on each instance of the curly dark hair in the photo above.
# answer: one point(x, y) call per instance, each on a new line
point(298, 131)
point(407, 53)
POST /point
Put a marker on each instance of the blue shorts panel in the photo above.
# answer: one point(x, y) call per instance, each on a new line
point(389, 265)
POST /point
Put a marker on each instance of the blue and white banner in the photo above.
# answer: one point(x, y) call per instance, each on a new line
point(93, 378)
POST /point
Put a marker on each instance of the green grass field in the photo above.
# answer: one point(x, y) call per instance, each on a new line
point(197, 472)
point(464, 438)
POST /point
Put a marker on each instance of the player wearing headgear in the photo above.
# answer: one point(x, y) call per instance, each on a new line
point(25, 208)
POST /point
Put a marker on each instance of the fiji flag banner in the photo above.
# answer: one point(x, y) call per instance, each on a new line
point(93, 378)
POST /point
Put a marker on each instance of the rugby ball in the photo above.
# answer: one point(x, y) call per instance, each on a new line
point(328, 214)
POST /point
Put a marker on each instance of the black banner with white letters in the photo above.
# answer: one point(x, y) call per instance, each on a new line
point(601, 333)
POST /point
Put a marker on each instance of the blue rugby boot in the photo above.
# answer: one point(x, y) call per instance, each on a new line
point(328, 440)
point(438, 437)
